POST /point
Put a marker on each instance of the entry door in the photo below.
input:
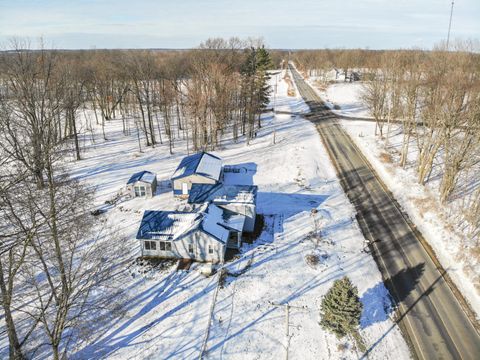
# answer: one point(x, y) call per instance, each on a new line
point(184, 189)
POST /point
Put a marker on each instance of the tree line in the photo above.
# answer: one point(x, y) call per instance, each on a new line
point(434, 96)
point(55, 258)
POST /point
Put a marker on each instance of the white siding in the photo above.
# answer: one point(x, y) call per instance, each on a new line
point(150, 188)
point(200, 241)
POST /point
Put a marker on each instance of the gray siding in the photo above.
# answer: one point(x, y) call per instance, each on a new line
point(189, 180)
point(150, 189)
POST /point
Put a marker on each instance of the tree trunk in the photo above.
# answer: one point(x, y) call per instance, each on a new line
point(75, 135)
point(15, 350)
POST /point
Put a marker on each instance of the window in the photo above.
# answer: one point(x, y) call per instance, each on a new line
point(210, 249)
point(165, 246)
point(150, 245)
point(139, 190)
point(190, 248)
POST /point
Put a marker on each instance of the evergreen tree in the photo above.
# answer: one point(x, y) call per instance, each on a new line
point(341, 310)
point(255, 85)
point(249, 70)
point(264, 63)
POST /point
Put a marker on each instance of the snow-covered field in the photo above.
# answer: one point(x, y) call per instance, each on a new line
point(343, 98)
point(438, 223)
point(347, 97)
point(169, 314)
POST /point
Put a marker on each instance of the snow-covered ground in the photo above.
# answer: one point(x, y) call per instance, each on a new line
point(168, 314)
point(344, 99)
point(438, 223)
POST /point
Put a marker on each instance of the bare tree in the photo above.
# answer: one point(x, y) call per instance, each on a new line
point(16, 232)
point(375, 98)
point(34, 106)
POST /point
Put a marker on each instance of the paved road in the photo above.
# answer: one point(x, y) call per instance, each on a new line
point(429, 314)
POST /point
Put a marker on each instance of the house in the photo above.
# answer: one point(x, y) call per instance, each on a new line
point(201, 236)
point(142, 184)
point(199, 168)
point(234, 199)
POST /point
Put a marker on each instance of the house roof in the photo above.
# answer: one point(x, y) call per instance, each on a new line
point(233, 221)
point(212, 223)
point(201, 163)
point(167, 225)
point(222, 194)
point(173, 225)
point(145, 176)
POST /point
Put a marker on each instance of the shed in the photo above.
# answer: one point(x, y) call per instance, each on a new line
point(142, 184)
point(174, 234)
point(199, 168)
point(237, 199)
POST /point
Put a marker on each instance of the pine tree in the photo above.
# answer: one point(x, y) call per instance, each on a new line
point(341, 310)
point(255, 85)
point(249, 70)
point(264, 63)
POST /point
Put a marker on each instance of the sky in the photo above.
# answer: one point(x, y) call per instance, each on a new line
point(293, 24)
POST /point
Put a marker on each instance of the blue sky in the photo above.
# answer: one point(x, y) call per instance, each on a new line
point(283, 24)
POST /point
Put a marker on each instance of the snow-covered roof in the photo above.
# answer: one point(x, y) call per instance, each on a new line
point(211, 223)
point(201, 163)
point(223, 194)
point(210, 165)
point(167, 225)
point(172, 225)
point(145, 176)
point(233, 221)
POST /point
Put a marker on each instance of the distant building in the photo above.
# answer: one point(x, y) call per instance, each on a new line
point(235, 199)
point(355, 76)
point(200, 236)
point(200, 168)
point(142, 184)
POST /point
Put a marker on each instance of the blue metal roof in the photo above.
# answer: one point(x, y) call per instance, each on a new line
point(146, 176)
point(190, 165)
point(173, 225)
point(152, 222)
point(166, 225)
point(200, 193)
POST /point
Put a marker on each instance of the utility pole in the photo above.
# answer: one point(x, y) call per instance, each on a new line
point(287, 307)
point(450, 24)
point(274, 104)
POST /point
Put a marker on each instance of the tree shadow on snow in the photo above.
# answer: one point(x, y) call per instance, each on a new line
point(379, 303)
point(128, 333)
point(239, 174)
point(288, 204)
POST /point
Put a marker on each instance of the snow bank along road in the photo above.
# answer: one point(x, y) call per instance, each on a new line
point(428, 311)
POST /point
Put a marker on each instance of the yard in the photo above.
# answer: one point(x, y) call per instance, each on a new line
point(169, 314)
